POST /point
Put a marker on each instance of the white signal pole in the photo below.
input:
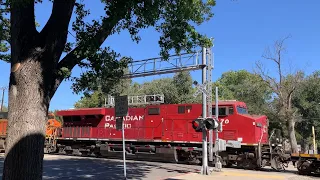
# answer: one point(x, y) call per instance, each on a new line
point(209, 99)
point(204, 169)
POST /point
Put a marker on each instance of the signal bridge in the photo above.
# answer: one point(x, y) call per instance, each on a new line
point(157, 66)
point(140, 99)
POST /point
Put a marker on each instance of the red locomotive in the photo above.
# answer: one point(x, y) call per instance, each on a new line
point(164, 132)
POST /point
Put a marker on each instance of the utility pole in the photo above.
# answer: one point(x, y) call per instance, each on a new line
point(204, 169)
point(2, 98)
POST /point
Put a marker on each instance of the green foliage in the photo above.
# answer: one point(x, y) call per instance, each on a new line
point(172, 19)
point(244, 86)
point(4, 32)
point(307, 100)
point(183, 83)
point(162, 86)
point(94, 100)
point(175, 90)
point(58, 118)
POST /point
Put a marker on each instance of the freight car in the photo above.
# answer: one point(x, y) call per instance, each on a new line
point(164, 132)
point(52, 126)
point(3, 129)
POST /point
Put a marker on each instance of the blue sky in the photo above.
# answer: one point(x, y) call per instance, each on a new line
point(242, 29)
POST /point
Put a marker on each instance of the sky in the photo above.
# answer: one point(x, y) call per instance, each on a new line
point(241, 29)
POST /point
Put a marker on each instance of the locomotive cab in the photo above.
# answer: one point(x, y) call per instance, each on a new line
point(239, 125)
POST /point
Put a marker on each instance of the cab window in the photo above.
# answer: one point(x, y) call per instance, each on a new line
point(230, 110)
point(183, 109)
point(222, 111)
point(242, 110)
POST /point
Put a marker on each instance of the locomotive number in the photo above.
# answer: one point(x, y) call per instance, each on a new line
point(224, 121)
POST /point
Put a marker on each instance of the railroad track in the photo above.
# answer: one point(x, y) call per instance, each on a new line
point(119, 156)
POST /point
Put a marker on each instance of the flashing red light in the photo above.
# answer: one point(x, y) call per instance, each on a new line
point(196, 124)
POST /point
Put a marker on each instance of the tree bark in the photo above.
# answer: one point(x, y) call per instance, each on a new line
point(305, 148)
point(27, 116)
point(292, 135)
point(34, 59)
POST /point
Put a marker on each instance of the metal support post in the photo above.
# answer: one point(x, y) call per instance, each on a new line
point(218, 164)
point(314, 141)
point(124, 152)
point(209, 99)
point(217, 114)
point(121, 110)
point(204, 169)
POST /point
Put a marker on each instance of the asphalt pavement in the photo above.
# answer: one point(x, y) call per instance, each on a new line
point(72, 167)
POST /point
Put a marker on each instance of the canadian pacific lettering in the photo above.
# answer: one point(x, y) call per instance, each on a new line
point(109, 125)
point(125, 118)
point(126, 121)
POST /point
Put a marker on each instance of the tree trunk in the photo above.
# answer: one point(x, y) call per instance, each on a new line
point(28, 107)
point(292, 135)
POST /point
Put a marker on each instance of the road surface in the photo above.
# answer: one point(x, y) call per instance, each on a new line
point(73, 167)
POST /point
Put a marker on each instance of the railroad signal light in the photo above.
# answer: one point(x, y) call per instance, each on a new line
point(211, 123)
point(154, 98)
point(197, 125)
point(158, 98)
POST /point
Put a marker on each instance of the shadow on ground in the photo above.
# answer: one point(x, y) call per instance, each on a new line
point(69, 167)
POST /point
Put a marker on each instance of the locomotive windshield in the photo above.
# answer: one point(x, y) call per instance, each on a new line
point(242, 110)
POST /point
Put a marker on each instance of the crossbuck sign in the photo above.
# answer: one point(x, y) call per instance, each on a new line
point(201, 89)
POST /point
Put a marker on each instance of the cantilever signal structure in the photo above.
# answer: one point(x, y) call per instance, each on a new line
point(156, 66)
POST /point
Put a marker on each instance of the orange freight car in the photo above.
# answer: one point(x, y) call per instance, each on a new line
point(3, 129)
point(52, 125)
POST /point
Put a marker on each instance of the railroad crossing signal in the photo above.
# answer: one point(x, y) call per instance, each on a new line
point(207, 123)
point(197, 125)
point(211, 123)
point(201, 88)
